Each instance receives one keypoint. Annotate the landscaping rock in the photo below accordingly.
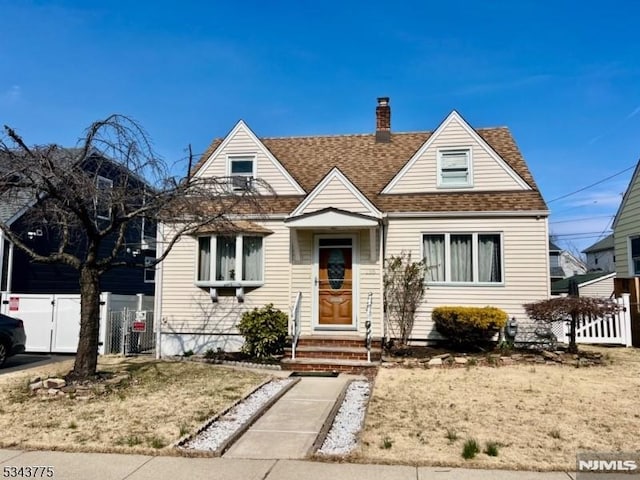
(460, 360)
(53, 391)
(442, 356)
(37, 385)
(68, 389)
(551, 356)
(435, 362)
(54, 383)
(507, 361)
(35, 379)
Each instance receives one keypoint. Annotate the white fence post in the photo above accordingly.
(105, 304)
(626, 319)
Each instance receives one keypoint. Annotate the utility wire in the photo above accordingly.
(593, 184)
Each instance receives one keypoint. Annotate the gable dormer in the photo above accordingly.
(242, 157)
(455, 158)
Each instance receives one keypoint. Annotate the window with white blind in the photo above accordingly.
(462, 257)
(454, 168)
(230, 260)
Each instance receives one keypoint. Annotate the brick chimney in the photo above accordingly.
(383, 120)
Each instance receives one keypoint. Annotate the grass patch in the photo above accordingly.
(492, 448)
(134, 416)
(470, 449)
(451, 435)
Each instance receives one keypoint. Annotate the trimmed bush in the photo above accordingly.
(264, 331)
(469, 326)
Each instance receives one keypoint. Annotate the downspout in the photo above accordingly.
(157, 299)
(383, 250)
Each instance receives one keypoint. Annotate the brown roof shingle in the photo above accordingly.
(370, 166)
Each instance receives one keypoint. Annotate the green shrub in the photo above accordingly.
(469, 326)
(264, 331)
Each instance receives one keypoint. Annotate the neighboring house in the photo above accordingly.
(626, 230)
(601, 255)
(592, 284)
(461, 198)
(19, 274)
(563, 264)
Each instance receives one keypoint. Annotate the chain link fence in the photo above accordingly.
(130, 332)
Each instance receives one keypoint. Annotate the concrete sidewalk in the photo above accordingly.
(288, 429)
(107, 466)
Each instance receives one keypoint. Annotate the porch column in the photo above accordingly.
(372, 244)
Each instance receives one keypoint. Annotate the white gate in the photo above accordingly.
(52, 322)
(612, 329)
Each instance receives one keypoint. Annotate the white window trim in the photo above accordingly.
(100, 178)
(212, 266)
(475, 259)
(466, 149)
(241, 157)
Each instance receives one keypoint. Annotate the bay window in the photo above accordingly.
(230, 260)
(463, 257)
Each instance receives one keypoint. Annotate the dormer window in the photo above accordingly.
(454, 168)
(242, 170)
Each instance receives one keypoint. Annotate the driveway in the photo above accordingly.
(24, 361)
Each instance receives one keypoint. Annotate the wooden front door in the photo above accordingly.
(335, 282)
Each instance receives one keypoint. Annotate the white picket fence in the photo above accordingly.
(613, 329)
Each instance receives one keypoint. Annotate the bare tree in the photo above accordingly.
(403, 292)
(90, 221)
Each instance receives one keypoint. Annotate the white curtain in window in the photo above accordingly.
(204, 258)
(226, 258)
(252, 258)
(434, 257)
(461, 258)
(489, 258)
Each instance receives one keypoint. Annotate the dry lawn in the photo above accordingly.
(161, 402)
(540, 415)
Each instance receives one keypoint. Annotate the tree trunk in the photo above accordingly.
(573, 346)
(87, 356)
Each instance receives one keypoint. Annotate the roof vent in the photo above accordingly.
(383, 120)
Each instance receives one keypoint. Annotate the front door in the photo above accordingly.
(335, 282)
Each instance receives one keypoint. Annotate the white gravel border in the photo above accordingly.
(343, 435)
(215, 435)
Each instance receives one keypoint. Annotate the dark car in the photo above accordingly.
(12, 337)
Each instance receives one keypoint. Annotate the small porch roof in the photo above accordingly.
(332, 217)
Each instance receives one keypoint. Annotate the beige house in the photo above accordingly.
(626, 230)
(460, 197)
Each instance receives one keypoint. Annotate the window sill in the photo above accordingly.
(454, 187)
(230, 284)
(463, 284)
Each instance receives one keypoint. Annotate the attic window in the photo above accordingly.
(454, 168)
(241, 170)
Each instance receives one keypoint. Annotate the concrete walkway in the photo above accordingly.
(107, 466)
(289, 428)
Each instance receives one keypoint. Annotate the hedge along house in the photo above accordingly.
(460, 197)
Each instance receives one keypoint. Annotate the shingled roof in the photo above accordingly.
(371, 165)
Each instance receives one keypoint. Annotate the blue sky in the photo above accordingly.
(563, 75)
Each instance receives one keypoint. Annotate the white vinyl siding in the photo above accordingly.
(487, 174)
(525, 265)
(601, 288)
(188, 308)
(242, 145)
(336, 195)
